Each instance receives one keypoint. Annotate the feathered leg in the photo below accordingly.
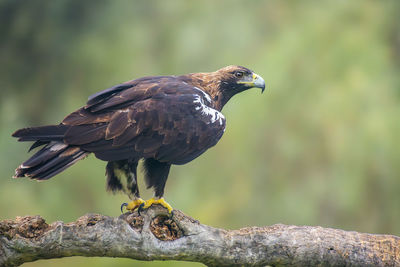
(116, 171)
(156, 174)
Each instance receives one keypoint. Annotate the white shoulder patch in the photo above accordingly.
(212, 115)
(204, 94)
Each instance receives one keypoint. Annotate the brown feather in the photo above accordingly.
(118, 124)
(83, 116)
(84, 134)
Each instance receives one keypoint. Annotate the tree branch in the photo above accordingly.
(154, 236)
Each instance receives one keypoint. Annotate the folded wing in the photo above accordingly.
(163, 118)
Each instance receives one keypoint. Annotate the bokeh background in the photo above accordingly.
(320, 147)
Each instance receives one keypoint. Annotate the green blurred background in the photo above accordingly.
(320, 147)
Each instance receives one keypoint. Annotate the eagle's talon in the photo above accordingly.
(140, 208)
(148, 203)
(134, 204)
(122, 206)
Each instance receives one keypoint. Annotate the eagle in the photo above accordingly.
(161, 120)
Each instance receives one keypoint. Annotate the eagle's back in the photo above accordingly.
(159, 117)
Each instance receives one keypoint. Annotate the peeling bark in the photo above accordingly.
(155, 236)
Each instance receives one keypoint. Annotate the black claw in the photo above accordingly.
(122, 207)
(171, 215)
(140, 208)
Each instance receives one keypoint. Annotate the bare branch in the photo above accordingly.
(154, 236)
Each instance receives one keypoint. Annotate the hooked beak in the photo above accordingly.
(257, 81)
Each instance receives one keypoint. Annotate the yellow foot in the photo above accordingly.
(131, 206)
(160, 201)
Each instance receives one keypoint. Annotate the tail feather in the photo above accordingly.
(43, 133)
(45, 154)
(53, 158)
(49, 161)
(38, 143)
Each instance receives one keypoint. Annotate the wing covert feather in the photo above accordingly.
(153, 117)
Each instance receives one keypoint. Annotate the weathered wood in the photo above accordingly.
(154, 236)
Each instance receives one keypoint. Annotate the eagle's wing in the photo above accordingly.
(165, 119)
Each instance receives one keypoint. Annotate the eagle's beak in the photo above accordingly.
(256, 81)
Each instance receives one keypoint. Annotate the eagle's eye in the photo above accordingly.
(239, 74)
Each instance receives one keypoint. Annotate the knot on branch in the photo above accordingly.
(27, 227)
(165, 228)
(162, 226)
(135, 221)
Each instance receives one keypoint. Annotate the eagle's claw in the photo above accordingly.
(122, 206)
(131, 206)
(171, 214)
(140, 209)
(148, 203)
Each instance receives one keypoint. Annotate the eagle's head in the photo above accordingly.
(232, 80)
(224, 83)
(237, 79)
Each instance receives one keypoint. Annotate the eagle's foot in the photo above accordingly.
(152, 201)
(131, 206)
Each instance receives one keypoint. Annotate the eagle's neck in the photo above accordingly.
(212, 85)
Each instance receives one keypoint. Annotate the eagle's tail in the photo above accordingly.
(53, 158)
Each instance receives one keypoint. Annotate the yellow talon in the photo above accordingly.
(160, 201)
(134, 204)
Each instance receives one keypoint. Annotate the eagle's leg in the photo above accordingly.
(132, 188)
(116, 171)
(156, 174)
(113, 179)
